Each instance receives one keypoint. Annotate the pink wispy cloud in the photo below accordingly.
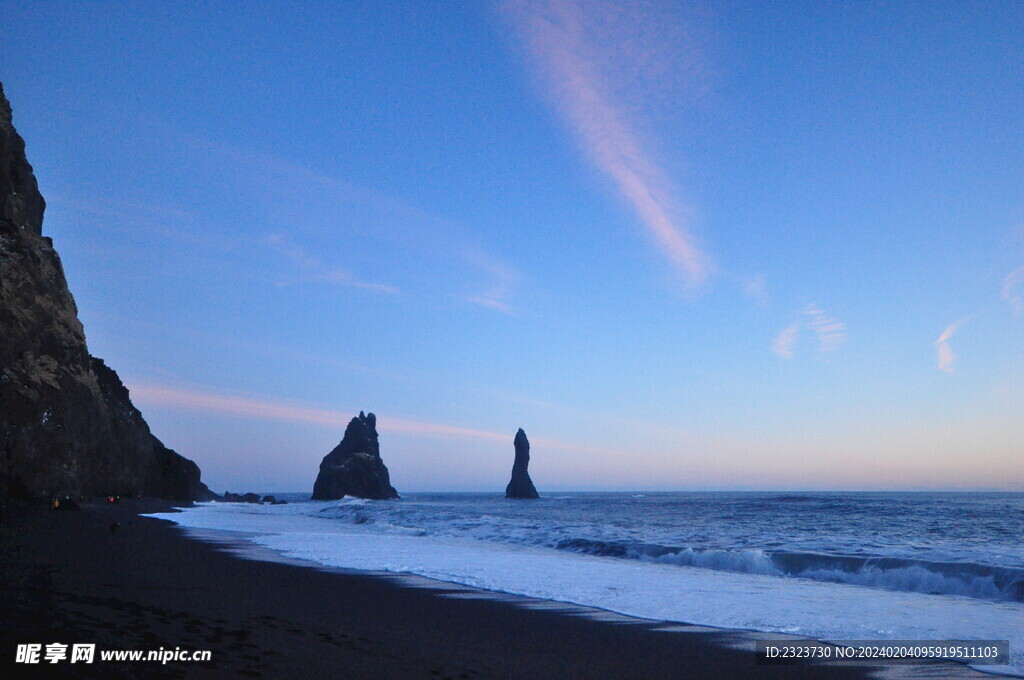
(944, 353)
(785, 340)
(266, 408)
(1012, 289)
(830, 333)
(564, 37)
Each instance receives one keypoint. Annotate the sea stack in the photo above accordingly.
(521, 486)
(67, 424)
(354, 467)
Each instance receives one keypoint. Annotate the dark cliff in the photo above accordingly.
(67, 424)
(521, 486)
(354, 467)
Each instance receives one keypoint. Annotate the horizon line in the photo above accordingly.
(721, 490)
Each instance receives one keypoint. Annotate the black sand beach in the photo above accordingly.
(67, 578)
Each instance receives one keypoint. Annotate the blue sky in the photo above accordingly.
(684, 246)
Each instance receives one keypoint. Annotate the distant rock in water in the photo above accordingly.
(67, 424)
(230, 497)
(354, 467)
(521, 486)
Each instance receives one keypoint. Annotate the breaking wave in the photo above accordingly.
(919, 576)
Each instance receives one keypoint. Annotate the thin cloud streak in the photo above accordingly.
(830, 333)
(784, 341)
(944, 353)
(503, 281)
(491, 303)
(317, 270)
(296, 189)
(1012, 292)
(266, 409)
(558, 39)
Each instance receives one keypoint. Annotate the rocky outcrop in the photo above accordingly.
(172, 475)
(167, 474)
(521, 486)
(230, 497)
(354, 467)
(67, 424)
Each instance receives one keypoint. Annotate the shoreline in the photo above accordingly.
(68, 578)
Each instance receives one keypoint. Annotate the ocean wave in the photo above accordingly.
(971, 580)
(916, 565)
(357, 511)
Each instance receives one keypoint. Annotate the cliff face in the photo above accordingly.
(67, 425)
(354, 467)
(521, 486)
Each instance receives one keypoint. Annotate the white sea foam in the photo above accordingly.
(646, 588)
(745, 561)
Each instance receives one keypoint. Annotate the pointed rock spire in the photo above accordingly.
(521, 486)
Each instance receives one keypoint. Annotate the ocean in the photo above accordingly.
(830, 566)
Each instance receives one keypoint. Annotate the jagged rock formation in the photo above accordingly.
(521, 486)
(354, 467)
(67, 425)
